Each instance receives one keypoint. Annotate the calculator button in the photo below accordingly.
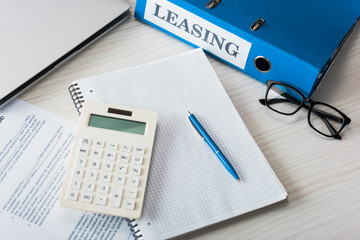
(92, 175)
(108, 166)
(85, 141)
(106, 177)
(104, 188)
(113, 146)
(139, 150)
(90, 186)
(73, 195)
(97, 153)
(84, 151)
(116, 196)
(110, 155)
(99, 144)
(136, 170)
(79, 173)
(126, 148)
(139, 160)
(81, 162)
(132, 193)
(134, 181)
(76, 184)
(87, 198)
(124, 157)
(120, 179)
(122, 168)
(101, 200)
(95, 164)
(129, 204)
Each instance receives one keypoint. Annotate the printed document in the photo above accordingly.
(34, 149)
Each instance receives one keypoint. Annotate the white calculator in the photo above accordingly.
(110, 160)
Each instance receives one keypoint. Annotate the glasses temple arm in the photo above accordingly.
(320, 113)
(323, 115)
(331, 128)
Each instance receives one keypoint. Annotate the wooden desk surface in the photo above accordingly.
(321, 176)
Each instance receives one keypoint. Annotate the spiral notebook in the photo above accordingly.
(188, 187)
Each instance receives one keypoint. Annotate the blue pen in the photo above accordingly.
(212, 145)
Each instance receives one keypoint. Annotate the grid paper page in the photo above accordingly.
(188, 187)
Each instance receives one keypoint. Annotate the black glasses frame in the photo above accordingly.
(310, 107)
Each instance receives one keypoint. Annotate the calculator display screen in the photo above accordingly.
(117, 124)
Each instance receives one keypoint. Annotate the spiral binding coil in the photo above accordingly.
(76, 96)
(134, 228)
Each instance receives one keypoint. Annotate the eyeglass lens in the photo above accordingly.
(283, 99)
(326, 119)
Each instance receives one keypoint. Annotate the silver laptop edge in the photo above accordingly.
(52, 66)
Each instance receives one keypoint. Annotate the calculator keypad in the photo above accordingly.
(110, 160)
(107, 174)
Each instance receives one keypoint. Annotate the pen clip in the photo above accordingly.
(201, 137)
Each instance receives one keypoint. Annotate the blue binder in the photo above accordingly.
(294, 42)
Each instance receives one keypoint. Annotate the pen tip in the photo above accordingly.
(189, 113)
(238, 180)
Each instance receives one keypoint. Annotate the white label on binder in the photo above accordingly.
(198, 31)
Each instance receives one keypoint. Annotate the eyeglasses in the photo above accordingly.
(323, 118)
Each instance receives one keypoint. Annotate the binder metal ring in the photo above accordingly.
(212, 4)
